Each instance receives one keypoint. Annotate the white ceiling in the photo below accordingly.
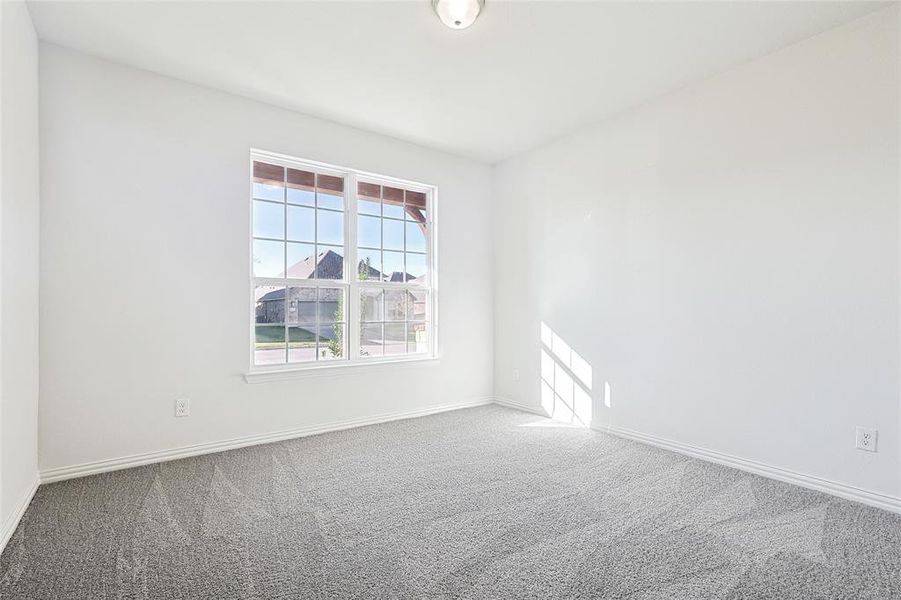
(525, 73)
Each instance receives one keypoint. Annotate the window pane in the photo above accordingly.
(301, 226)
(330, 192)
(369, 198)
(366, 207)
(417, 337)
(302, 179)
(301, 305)
(330, 262)
(393, 202)
(330, 184)
(416, 207)
(331, 341)
(264, 172)
(331, 304)
(369, 232)
(415, 237)
(331, 227)
(394, 266)
(417, 307)
(370, 265)
(396, 305)
(269, 220)
(301, 261)
(394, 338)
(332, 201)
(301, 185)
(263, 191)
(371, 340)
(268, 182)
(302, 343)
(372, 303)
(270, 334)
(416, 267)
(269, 345)
(268, 258)
(393, 211)
(302, 197)
(371, 191)
(394, 234)
(270, 304)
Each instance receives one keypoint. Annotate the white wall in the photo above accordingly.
(726, 258)
(144, 266)
(19, 210)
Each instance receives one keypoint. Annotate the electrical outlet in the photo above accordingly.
(182, 407)
(515, 374)
(866, 439)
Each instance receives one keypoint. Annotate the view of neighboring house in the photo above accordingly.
(299, 304)
(330, 265)
(325, 265)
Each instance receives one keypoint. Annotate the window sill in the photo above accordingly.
(333, 370)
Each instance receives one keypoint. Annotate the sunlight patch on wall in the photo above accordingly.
(566, 380)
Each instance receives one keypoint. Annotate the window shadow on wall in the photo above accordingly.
(566, 380)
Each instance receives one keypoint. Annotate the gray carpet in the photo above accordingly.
(480, 503)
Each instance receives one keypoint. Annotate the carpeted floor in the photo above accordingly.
(479, 503)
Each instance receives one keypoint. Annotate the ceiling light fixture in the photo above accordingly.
(458, 14)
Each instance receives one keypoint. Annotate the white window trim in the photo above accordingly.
(350, 284)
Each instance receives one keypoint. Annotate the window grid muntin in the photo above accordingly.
(350, 281)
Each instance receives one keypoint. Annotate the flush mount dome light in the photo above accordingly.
(458, 14)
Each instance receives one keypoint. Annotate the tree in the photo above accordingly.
(336, 344)
(364, 267)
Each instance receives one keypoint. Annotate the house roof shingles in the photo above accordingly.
(330, 265)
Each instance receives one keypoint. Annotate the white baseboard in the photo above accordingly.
(136, 460)
(885, 502)
(535, 410)
(848, 492)
(9, 527)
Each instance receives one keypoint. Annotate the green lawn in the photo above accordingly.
(271, 336)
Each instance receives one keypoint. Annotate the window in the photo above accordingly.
(342, 265)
